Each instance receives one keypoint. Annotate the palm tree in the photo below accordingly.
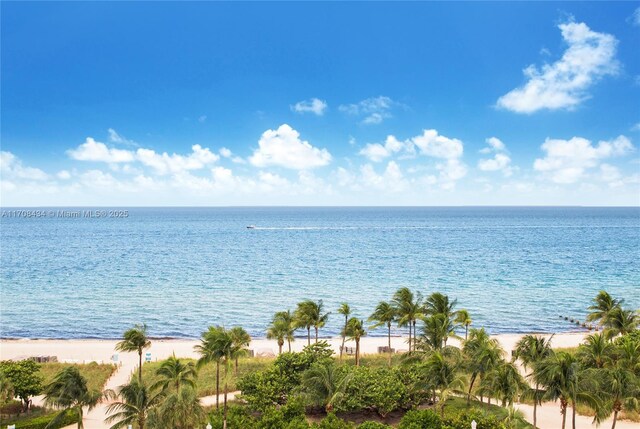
(596, 351)
(627, 354)
(354, 331)
(408, 309)
(482, 354)
(135, 340)
(136, 400)
(442, 378)
(287, 320)
(531, 349)
(323, 384)
(621, 389)
(304, 318)
(241, 340)
(174, 372)
(603, 303)
(69, 391)
(384, 314)
(437, 329)
(504, 382)
(179, 410)
(464, 319)
(344, 310)
(620, 321)
(278, 331)
(209, 353)
(562, 377)
(438, 303)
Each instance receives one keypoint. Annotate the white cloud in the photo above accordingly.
(283, 147)
(500, 161)
(224, 152)
(450, 172)
(563, 85)
(636, 127)
(164, 163)
(392, 180)
(566, 161)
(11, 168)
(114, 137)
(374, 110)
(376, 152)
(92, 150)
(314, 105)
(64, 175)
(636, 17)
(435, 145)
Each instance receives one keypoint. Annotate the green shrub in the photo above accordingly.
(421, 419)
(374, 425)
(332, 422)
(237, 418)
(42, 421)
(463, 420)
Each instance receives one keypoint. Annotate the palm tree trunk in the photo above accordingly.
(343, 336)
(414, 334)
(573, 415)
(357, 351)
(308, 335)
(289, 341)
(409, 336)
(615, 418)
(236, 369)
(473, 379)
(81, 417)
(224, 420)
(389, 341)
(140, 365)
(141, 422)
(563, 411)
(279, 348)
(217, 385)
(466, 331)
(316, 328)
(535, 407)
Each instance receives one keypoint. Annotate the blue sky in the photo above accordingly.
(309, 103)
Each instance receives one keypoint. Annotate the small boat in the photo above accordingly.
(251, 227)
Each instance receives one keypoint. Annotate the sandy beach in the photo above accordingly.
(84, 351)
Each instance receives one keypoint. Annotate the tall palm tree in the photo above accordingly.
(179, 410)
(384, 314)
(441, 376)
(355, 331)
(602, 305)
(287, 320)
(304, 317)
(408, 310)
(620, 321)
(68, 390)
(277, 330)
(209, 353)
(531, 349)
(324, 384)
(437, 329)
(596, 351)
(464, 319)
(228, 350)
(241, 340)
(621, 389)
(174, 372)
(482, 353)
(344, 310)
(135, 402)
(504, 382)
(439, 303)
(563, 379)
(135, 340)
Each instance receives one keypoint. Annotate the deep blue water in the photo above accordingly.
(182, 269)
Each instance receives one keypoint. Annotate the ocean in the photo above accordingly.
(182, 269)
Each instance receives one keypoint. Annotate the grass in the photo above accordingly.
(96, 374)
(207, 375)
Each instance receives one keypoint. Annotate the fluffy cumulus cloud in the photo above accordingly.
(164, 163)
(314, 105)
(373, 110)
(567, 161)
(563, 84)
(11, 168)
(284, 148)
(376, 152)
(92, 150)
(500, 160)
(436, 145)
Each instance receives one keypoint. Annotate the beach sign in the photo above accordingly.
(147, 357)
(115, 358)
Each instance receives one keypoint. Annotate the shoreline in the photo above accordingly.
(103, 350)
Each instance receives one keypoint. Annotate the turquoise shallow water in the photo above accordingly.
(181, 269)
